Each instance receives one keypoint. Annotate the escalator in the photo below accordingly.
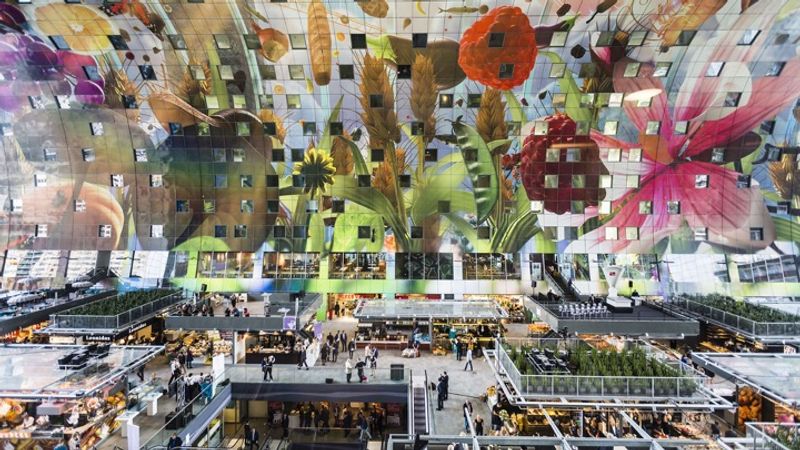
(418, 404)
(560, 286)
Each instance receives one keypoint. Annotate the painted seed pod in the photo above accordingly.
(319, 42)
(374, 8)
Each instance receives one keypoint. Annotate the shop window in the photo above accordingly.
(424, 266)
(220, 231)
(490, 266)
(290, 265)
(357, 266)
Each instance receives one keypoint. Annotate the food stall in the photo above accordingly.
(278, 343)
(436, 324)
(203, 345)
(71, 392)
(347, 303)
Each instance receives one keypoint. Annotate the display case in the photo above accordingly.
(280, 344)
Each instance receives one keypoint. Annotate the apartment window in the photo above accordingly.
(559, 39)
(551, 181)
(129, 102)
(376, 155)
(614, 155)
(496, 40)
(175, 129)
(416, 232)
(612, 234)
(444, 207)
(718, 155)
(270, 129)
(732, 99)
(635, 154)
(714, 68)
(219, 155)
(756, 234)
(603, 183)
(540, 128)
(743, 182)
(246, 181)
(117, 180)
(557, 70)
(41, 230)
(701, 181)
(49, 154)
(473, 100)
(662, 69)
(273, 206)
(632, 181)
(405, 180)
(79, 206)
(309, 128)
(375, 101)
(278, 155)
(220, 231)
(293, 101)
(358, 41)
(96, 128)
(238, 155)
(484, 232)
(59, 42)
(337, 206)
(296, 72)
(685, 38)
(652, 128)
(364, 181)
(346, 72)
(223, 41)
(156, 231)
(604, 207)
(279, 231)
(537, 206)
(240, 231)
(272, 181)
(212, 102)
(506, 71)
(484, 181)
(40, 180)
(610, 128)
(364, 232)
(417, 128)
(578, 181)
(220, 181)
(445, 100)
(631, 70)
(573, 154)
(209, 206)
(606, 39)
(775, 69)
(16, 205)
(182, 206)
(63, 101)
(246, 207)
(156, 180)
(419, 40)
(267, 101)
(403, 72)
(298, 154)
(646, 207)
(681, 127)
(298, 41)
(298, 181)
(431, 155)
(637, 38)
(632, 233)
(700, 234)
(104, 231)
(251, 42)
(748, 37)
(673, 207)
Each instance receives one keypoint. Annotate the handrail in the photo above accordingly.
(735, 321)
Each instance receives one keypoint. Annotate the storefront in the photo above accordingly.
(278, 343)
(202, 345)
(345, 304)
(44, 405)
(26, 335)
(144, 333)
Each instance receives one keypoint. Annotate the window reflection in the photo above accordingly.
(364, 266)
(290, 265)
(491, 266)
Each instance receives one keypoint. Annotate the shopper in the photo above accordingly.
(466, 409)
(140, 373)
(189, 359)
(440, 395)
(348, 369)
(335, 352)
(336, 309)
(324, 420)
(266, 367)
(285, 425)
(351, 347)
(446, 380)
(302, 362)
(253, 439)
(459, 347)
(323, 353)
(469, 361)
(363, 425)
(360, 370)
(478, 425)
(174, 441)
(347, 422)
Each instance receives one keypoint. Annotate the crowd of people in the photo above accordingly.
(194, 384)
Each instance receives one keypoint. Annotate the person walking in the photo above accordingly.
(459, 347)
(360, 371)
(323, 353)
(266, 366)
(253, 439)
(247, 430)
(363, 425)
(302, 363)
(467, 411)
(348, 369)
(469, 361)
(351, 347)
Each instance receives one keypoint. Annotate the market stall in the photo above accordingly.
(278, 343)
(71, 393)
(203, 345)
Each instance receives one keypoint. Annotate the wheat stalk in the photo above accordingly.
(423, 94)
(381, 123)
(268, 115)
(491, 120)
(785, 176)
(319, 42)
(342, 155)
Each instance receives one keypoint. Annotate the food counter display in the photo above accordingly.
(203, 345)
(393, 334)
(346, 303)
(280, 344)
(26, 335)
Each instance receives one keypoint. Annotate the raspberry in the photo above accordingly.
(518, 47)
(561, 130)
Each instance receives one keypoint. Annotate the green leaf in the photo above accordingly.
(316, 234)
(381, 47)
(568, 86)
(516, 233)
(469, 232)
(498, 143)
(440, 188)
(468, 139)
(515, 108)
(345, 233)
(358, 158)
(786, 230)
(203, 243)
(289, 191)
(325, 142)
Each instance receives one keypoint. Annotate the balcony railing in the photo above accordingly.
(580, 386)
(773, 436)
(114, 322)
(251, 373)
(735, 322)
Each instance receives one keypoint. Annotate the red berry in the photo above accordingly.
(561, 130)
(516, 47)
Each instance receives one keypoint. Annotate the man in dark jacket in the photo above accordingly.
(440, 395)
(445, 378)
(253, 439)
(174, 442)
(347, 422)
(351, 347)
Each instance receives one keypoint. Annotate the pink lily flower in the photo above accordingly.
(671, 163)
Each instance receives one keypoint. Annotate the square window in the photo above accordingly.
(552, 155)
(405, 180)
(615, 100)
(732, 99)
(156, 231)
(767, 126)
(578, 181)
(346, 72)
(337, 206)
(270, 129)
(364, 181)
(212, 102)
(431, 155)
(79, 206)
(685, 38)
(417, 128)
(632, 181)
(298, 154)
(309, 129)
(718, 155)
(147, 72)
(646, 207)
(139, 154)
(653, 128)
(551, 181)
(63, 102)
(681, 127)
(662, 69)
(225, 72)
(293, 101)
(637, 38)
(129, 102)
(219, 155)
(41, 230)
(182, 206)
(606, 39)
(537, 206)
(484, 181)
(376, 155)
(506, 71)
(156, 180)
(470, 155)
(246, 181)
(573, 155)
(557, 70)
(299, 231)
(203, 129)
(604, 208)
(268, 73)
(298, 41)
(238, 155)
(251, 42)
(700, 234)
(209, 206)
(559, 100)
(40, 180)
(540, 128)
(16, 205)
(279, 231)
(483, 232)
(403, 72)
(246, 207)
(444, 207)
(635, 154)
(673, 207)
(273, 206)
(631, 70)
(612, 234)
(610, 128)
(416, 232)
(364, 232)
(358, 41)
(419, 40)
(239, 102)
(97, 128)
(298, 181)
(175, 129)
(743, 182)
(559, 39)
(220, 231)
(748, 37)
(473, 100)
(296, 72)
(117, 180)
(445, 100)
(701, 181)
(714, 68)
(267, 101)
(104, 231)
(223, 41)
(632, 233)
(273, 181)
(278, 155)
(614, 155)
(59, 42)
(375, 100)
(756, 234)
(220, 181)
(496, 40)
(49, 154)
(604, 182)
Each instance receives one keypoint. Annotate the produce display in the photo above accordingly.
(749, 409)
(113, 306)
(756, 313)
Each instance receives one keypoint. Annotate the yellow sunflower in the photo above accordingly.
(83, 29)
(317, 170)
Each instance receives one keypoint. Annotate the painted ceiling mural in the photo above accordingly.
(543, 126)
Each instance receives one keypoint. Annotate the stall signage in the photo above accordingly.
(97, 338)
(137, 327)
(289, 322)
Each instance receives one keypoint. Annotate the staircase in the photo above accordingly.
(419, 404)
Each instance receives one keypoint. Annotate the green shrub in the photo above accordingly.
(118, 304)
